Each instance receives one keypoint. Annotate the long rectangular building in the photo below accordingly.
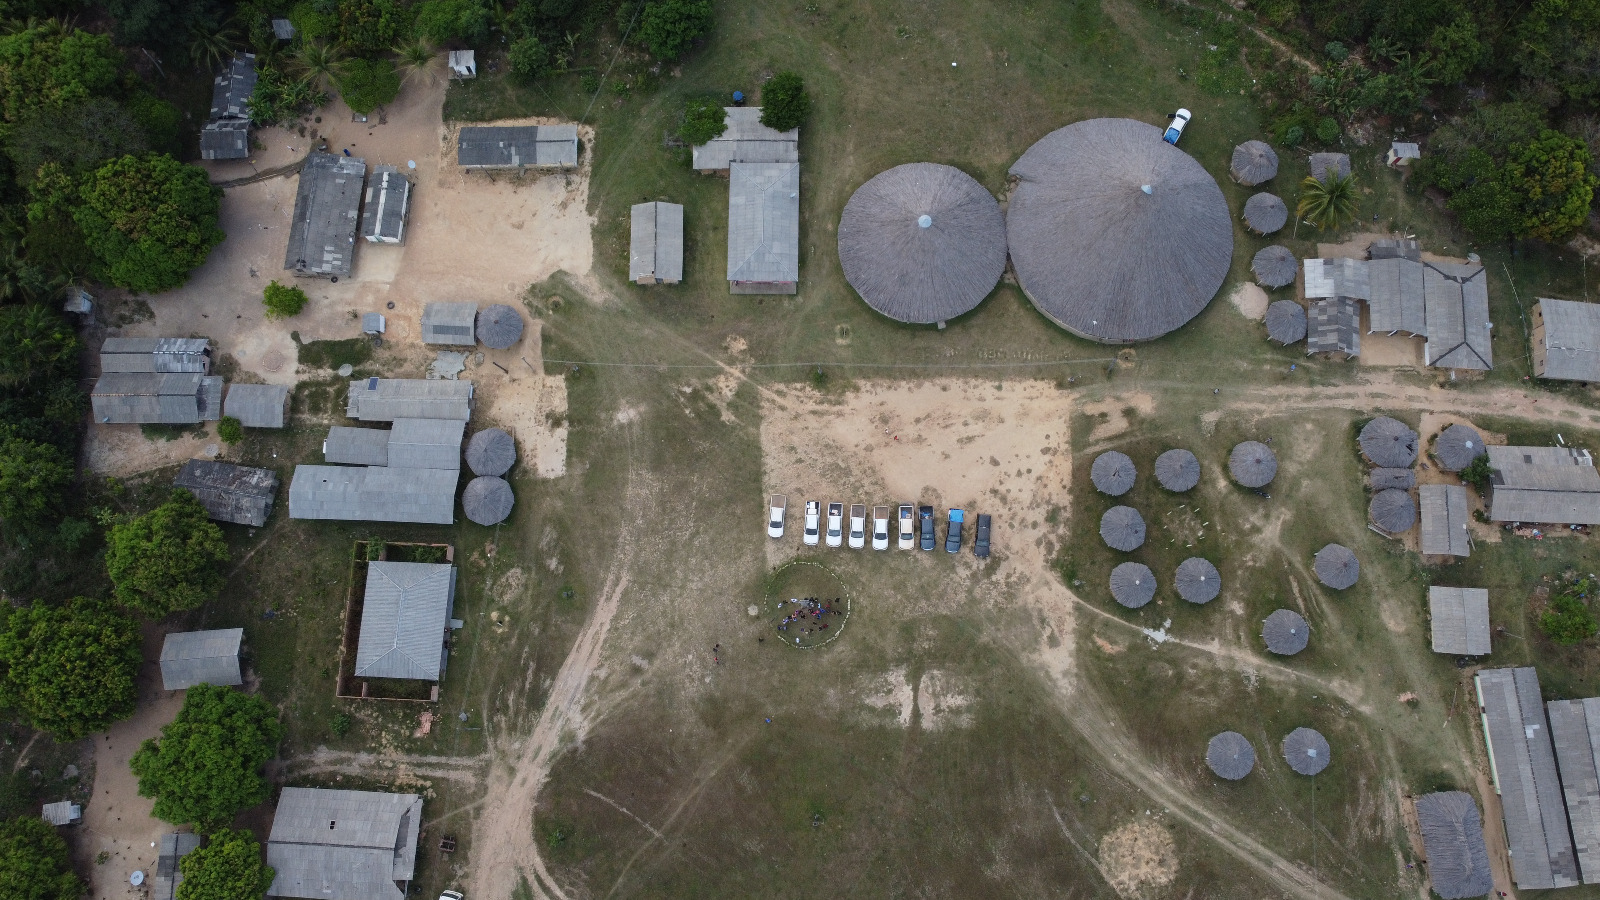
(764, 228)
(163, 355)
(1543, 485)
(1523, 764)
(373, 494)
(746, 140)
(1575, 730)
(1456, 305)
(327, 208)
(1566, 340)
(152, 398)
(387, 399)
(1444, 520)
(517, 146)
(239, 494)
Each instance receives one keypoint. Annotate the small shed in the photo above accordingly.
(1253, 464)
(283, 29)
(1457, 446)
(257, 405)
(373, 323)
(1326, 166)
(1285, 632)
(1452, 838)
(463, 64)
(499, 326)
(1275, 267)
(1178, 470)
(225, 139)
(763, 228)
(1460, 620)
(388, 202)
(1337, 567)
(189, 658)
(1306, 751)
(327, 208)
(450, 324)
(491, 452)
(1401, 153)
(1197, 580)
(1253, 162)
(62, 812)
(1334, 326)
(174, 847)
(1230, 755)
(1286, 322)
(242, 495)
(1444, 520)
(487, 500)
(1122, 528)
(1388, 443)
(1112, 473)
(655, 244)
(1133, 584)
(517, 146)
(1566, 340)
(405, 618)
(1393, 511)
(1265, 213)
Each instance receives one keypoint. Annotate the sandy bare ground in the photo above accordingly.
(1250, 300)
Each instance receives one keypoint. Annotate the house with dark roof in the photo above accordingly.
(450, 324)
(1459, 620)
(746, 140)
(764, 228)
(189, 658)
(374, 494)
(153, 398)
(1395, 299)
(165, 355)
(1578, 757)
(343, 845)
(405, 620)
(388, 200)
(1444, 520)
(386, 399)
(257, 405)
(327, 205)
(1333, 325)
(1456, 305)
(1522, 764)
(655, 245)
(174, 847)
(242, 495)
(226, 134)
(1566, 340)
(517, 146)
(1543, 486)
(1452, 838)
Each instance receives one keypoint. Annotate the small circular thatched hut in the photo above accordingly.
(1197, 580)
(1274, 267)
(1133, 584)
(1285, 632)
(1122, 528)
(1253, 163)
(1393, 511)
(1326, 165)
(1286, 322)
(1389, 443)
(491, 452)
(1337, 567)
(487, 500)
(499, 326)
(1112, 473)
(1253, 464)
(922, 242)
(1265, 213)
(1306, 751)
(1457, 446)
(1177, 470)
(1230, 755)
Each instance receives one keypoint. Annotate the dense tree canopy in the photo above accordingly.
(784, 101)
(32, 475)
(704, 119)
(69, 669)
(228, 867)
(168, 559)
(451, 21)
(49, 66)
(367, 84)
(34, 862)
(150, 220)
(668, 28)
(206, 767)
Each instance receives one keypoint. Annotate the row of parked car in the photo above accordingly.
(917, 526)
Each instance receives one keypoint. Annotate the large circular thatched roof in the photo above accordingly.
(1457, 446)
(499, 326)
(1389, 443)
(1230, 755)
(1122, 528)
(1393, 510)
(1253, 163)
(1337, 567)
(1112, 473)
(491, 452)
(1197, 580)
(1133, 584)
(1275, 267)
(1285, 632)
(1177, 470)
(487, 500)
(1286, 322)
(1252, 464)
(922, 242)
(1265, 213)
(1306, 751)
(1116, 235)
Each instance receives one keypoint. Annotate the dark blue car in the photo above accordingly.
(925, 522)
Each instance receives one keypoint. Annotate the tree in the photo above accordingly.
(667, 28)
(366, 84)
(206, 766)
(35, 863)
(784, 102)
(278, 97)
(168, 559)
(449, 21)
(50, 66)
(80, 137)
(33, 476)
(416, 59)
(165, 25)
(230, 429)
(1567, 619)
(37, 343)
(1477, 472)
(319, 62)
(1327, 204)
(69, 669)
(704, 120)
(529, 59)
(369, 27)
(1553, 178)
(150, 220)
(228, 867)
(283, 301)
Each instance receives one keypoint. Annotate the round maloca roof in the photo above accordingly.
(1116, 235)
(499, 326)
(1265, 213)
(1286, 322)
(1112, 473)
(1253, 163)
(1230, 755)
(1337, 567)
(1285, 632)
(1122, 528)
(1275, 267)
(1178, 470)
(1393, 510)
(1253, 464)
(1389, 443)
(1457, 446)
(922, 242)
(1306, 751)
(487, 500)
(1197, 580)
(491, 452)
(1133, 584)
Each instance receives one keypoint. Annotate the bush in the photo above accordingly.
(1477, 472)
(1567, 620)
(1293, 136)
(1336, 51)
(206, 766)
(703, 120)
(784, 102)
(228, 867)
(283, 301)
(668, 28)
(529, 59)
(168, 559)
(1327, 130)
(231, 430)
(366, 84)
(339, 724)
(447, 21)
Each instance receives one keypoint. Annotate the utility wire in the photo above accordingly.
(835, 365)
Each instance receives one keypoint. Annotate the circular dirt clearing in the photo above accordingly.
(807, 604)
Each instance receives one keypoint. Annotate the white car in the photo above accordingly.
(908, 528)
(835, 524)
(813, 523)
(1175, 130)
(777, 510)
(451, 895)
(880, 528)
(858, 526)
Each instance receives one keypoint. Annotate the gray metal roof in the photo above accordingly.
(1286, 322)
(1337, 277)
(922, 242)
(1452, 838)
(1122, 528)
(1177, 470)
(1306, 751)
(1457, 446)
(356, 446)
(1275, 267)
(1285, 632)
(225, 139)
(1253, 162)
(1395, 248)
(1393, 511)
(1389, 443)
(1098, 255)
(1566, 338)
(1337, 567)
(283, 29)
(747, 140)
(1575, 731)
(1456, 306)
(1382, 479)
(133, 398)
(1444, 520)
(404, 618)
(1334, 326)
(1325, 164)
(487, 500)
(388, 200)
(62, 812)
(499, 326)
(764, 222)
(189, 658)
(1460, 620)
(491, 452)
(426, 444)
(373, 494)
(1197, 580)
(343, 845)
(1133, 584)
(327, 203)
(1543, 485)
(1265, 213)
(451, 324)
(239, 494)
(1395, 300)
(1523, 764)
(387, 399)
(257, 405)
(1230, 755)
(166, 878)
(514, 146)
(1112, 473)
(231, 90)
(1252, 464)
(655, 245)
(124, 354)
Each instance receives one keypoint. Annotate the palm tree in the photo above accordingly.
(416, 60)
(209, 48)
(1327, 204)
(320, 62)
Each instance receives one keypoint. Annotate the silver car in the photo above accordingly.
(813, 530)
(835, 523)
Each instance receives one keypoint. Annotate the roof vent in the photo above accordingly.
(924, 221)
(1146, 189)
(331, 823)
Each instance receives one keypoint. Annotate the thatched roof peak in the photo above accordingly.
(1113, 473)
(1285, 632)
(1253, 464)
(1133, 584)
(1253, 162)
(1275, 267)
(1197, 580)
(1265, 213)
(1337, 567)
(1306, 751)
(1389, 443)
(1177, 470)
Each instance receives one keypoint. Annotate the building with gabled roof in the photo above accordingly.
(746, 140)
(1566, 340)
(517, 146)
(153, 398)
(1452, 837)
(655, 245)
(1444, 520)
(356, 446)
(242, 495)
(1395, 299)
(386, 399)
(450, 324)
(463, 63)
(1459, 620)
(764, 228)
(1522, 762)
(257, 405)
(1336, 277)
(405, 617)
(226, 134)
(189, 658)
(383, 220)
(1456, 302)
(163, 355)
(225, 139)
(1573, 726)
(343, 845)
(1543, 485)
(426, 444)
(327, 206)
(373, 494)
(174, 847)
(62, 812)
(1333, 325)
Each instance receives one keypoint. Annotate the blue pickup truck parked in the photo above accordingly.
(952, 538)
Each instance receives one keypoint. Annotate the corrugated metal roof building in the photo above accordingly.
(387, 399)
(327, 205)
(1566, 340)
(1444, 520)
(388, 200)
(655, 247)
(62, 812)
(1575, 730)
(1452, 836)
(1395, 296)
(373, 494)
(1338, 277)
(189, 658)
(405, 619)
(1333, 325)
(136, 398)
(1543, 485)
(343, 845)
(231, 90)
(174, 847)
(517, 146)
(239, 494)
(257, 405)
(356, 446)
(1460, 620)
(747, 140)
(426, 444)
(1523, 764)
(764, 228)
(450, 324)
(164, 355)
(1456, 302)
